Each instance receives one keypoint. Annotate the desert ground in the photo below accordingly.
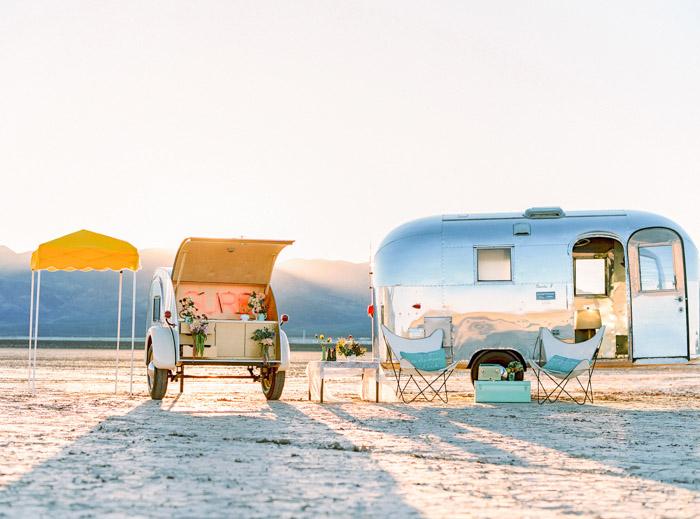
(220, 450)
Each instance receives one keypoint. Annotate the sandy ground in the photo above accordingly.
(221, 450)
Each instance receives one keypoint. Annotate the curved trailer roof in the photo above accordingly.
(413, 253)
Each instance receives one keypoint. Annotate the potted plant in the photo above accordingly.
(327, 347)
(513, 369)
(349, 347)
(197, 323)
(256, 303)
(265, 337)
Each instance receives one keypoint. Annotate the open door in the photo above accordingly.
(658, 291)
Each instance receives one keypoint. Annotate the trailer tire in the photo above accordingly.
(273, 384)
(158, 383)
(494, 357)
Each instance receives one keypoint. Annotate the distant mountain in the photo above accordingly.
(12, 261)
(319, 296)
(323, 296)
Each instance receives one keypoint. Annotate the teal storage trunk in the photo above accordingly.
(487, 391)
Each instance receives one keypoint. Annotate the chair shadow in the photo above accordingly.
(637, 443)
(158, 461)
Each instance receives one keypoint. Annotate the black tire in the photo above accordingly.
(494, 357)
(158, 385)
(273, 384)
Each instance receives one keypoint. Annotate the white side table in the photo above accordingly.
(320, 370)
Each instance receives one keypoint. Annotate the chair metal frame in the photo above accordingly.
(561, 384)
(401, 392)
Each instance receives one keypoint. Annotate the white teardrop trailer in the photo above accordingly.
(218, 275)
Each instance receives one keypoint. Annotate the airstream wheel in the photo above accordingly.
(494, 357)
(272, 384)
(157, 378)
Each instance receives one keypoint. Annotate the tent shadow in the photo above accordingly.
(160, 462)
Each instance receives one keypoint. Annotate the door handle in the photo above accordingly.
(680, 309)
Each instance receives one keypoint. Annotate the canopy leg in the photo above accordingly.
(36, 329)
(119, 329)
(31, 331)
(133, 331)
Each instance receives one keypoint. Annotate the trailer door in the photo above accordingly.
(658, 294)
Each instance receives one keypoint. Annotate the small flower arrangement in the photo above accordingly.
(256, 303)
(327, 347)
(349, 347)
(513, 369)
(198, 324)
(265, 337)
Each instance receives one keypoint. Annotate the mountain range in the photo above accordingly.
(320, 296)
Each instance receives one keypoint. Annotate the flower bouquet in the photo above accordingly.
(513, 369)
(327, 347)
(349, 347)
(198, 324)
(265, 337)
(256, 303)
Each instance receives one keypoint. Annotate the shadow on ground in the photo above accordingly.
(153, 461)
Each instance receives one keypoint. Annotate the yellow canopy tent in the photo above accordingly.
(84, 251)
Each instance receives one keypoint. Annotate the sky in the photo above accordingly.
(333, 122)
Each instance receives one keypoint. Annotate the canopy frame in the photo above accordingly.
(82, 241)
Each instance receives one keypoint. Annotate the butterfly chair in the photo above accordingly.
(421, 362)
(561, 362)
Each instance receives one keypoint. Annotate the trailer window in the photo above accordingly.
(590, 277)
(494, 264)
(156, 309)
(656, 268)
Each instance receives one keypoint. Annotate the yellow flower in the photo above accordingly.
(322, 337)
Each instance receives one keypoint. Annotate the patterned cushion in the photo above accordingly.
(428, 360)
(561, 364)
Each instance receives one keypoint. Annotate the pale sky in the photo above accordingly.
(333, 122)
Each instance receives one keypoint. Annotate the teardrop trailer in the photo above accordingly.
(491, 280)
(218, 275)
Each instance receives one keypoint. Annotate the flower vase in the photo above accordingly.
(511, 377)
(261, 317)
(323, 353)
(198, 348)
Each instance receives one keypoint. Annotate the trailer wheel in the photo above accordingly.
(273, 384)
(157, 379)
(494, 357)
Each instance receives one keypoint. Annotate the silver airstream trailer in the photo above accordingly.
(491, 280)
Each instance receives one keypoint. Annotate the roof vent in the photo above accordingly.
(544, 212)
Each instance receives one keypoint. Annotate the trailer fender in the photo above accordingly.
(162, 342)
(285, 354)
(479, 353)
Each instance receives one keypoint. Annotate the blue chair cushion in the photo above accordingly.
(561, 364)
(427, 360)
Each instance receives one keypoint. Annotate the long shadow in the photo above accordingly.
(159, 462)
(650, 444)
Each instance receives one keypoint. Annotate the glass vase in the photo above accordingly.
(198, 349)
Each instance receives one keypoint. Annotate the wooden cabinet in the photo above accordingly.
(252, 348)
(187, 341)
(229, 339)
